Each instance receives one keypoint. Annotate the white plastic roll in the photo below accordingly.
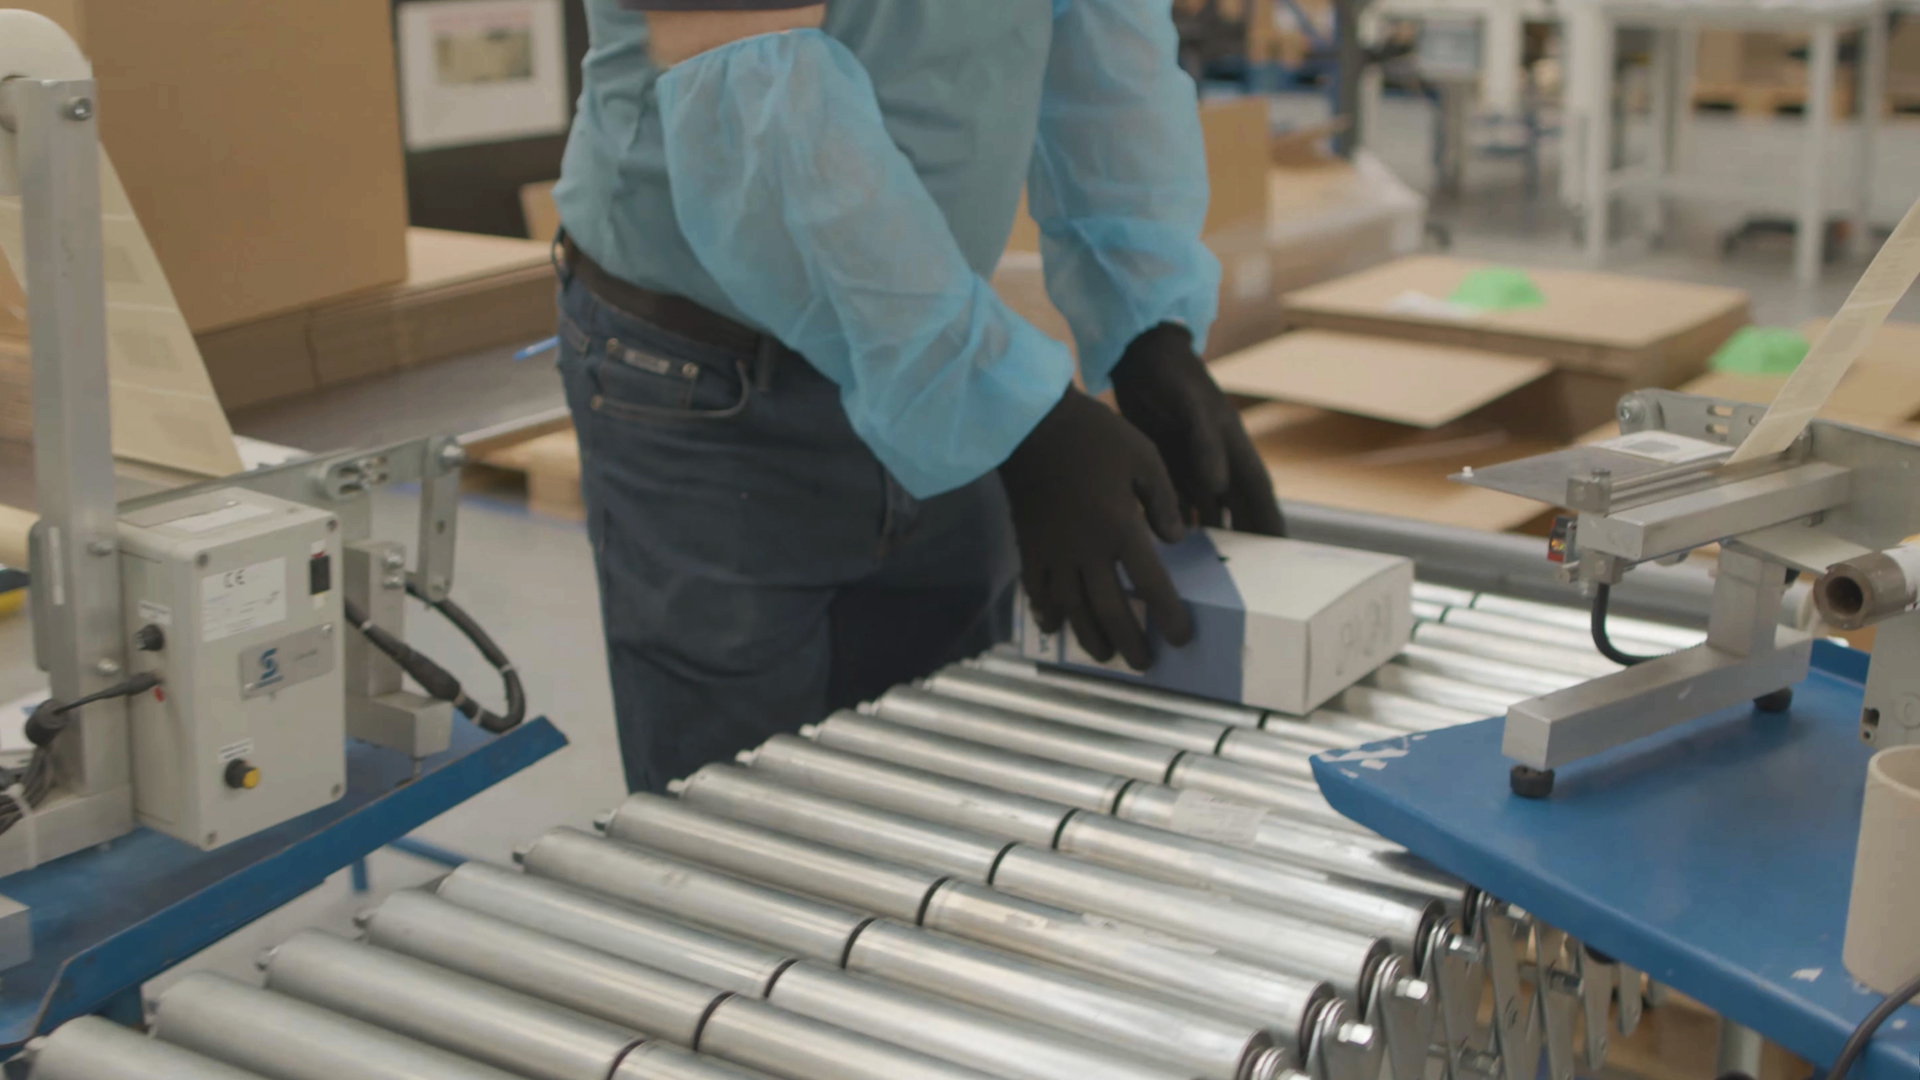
(1883, 937)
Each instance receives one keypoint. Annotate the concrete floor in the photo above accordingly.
(531, 582)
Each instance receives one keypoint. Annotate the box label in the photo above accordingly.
(1205, 817)
(237, 601)
(243, 748)
(158, 614)
(289, 661)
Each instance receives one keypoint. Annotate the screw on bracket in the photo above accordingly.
(80, 108)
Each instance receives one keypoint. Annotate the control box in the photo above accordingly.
(231, 598)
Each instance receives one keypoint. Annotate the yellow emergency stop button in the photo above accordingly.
(242, 775)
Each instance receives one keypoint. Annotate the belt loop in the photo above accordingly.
(556, 253)
(765, 357)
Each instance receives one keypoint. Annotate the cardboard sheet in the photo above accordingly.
(1360, 464)
(164, 409)
(1653, 332)
(1843, 341)
(1407, 382)
(14, 525)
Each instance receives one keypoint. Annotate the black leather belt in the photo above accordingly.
(674, 314)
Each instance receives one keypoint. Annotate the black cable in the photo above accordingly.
(437, 681)
(1857, 1042)
(1601, 594)
(509, 677)
(50, 717)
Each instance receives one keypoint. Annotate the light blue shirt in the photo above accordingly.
(849, 190)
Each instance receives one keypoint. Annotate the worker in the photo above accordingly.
(816, 448)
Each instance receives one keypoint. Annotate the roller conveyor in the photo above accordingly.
(1004, 871)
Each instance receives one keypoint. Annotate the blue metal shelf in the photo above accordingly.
(108, 919)
(1717, 856)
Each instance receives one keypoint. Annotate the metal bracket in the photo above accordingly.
(1341, 1048)
(1506, 930)
(1404, 1010)
(1456, 966)
(1597, 980)
(1559, 989)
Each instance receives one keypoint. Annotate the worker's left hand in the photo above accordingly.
(1166, 391)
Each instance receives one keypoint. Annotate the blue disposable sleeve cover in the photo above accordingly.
(1119, 181)
(793, 196)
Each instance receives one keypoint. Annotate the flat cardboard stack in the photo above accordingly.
(1388, 389)
(1273, 227)
(465, 293)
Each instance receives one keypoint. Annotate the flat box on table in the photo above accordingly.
(1278, 624)
(1639, 331)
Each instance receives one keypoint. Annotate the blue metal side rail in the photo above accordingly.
(1716, 856)
(107, 920)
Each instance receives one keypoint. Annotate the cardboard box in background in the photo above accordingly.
(260, 144)
(1639, 331)
(1324, 219)
(16, 390)
(536, 205)
(1237, 131)
(465, 293)
(1291, 623)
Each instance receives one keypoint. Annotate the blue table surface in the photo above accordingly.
(107, 919)
(1716, 856)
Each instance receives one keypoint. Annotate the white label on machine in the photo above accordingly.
(218, 519)
(1201, 815)
(232, 751)
(240, 600)
(1664, 447)
(157, 614)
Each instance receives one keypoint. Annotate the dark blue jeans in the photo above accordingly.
(758, 567)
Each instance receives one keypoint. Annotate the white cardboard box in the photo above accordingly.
(1278, 624)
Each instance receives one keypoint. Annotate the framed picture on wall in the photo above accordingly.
(481, 71)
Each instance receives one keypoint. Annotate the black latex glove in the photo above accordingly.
(1085, 486)
(1167, 392)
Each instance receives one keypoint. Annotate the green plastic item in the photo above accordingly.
(1498, 288)
(1761, 350)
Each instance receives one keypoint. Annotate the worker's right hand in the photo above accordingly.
(1085, 487)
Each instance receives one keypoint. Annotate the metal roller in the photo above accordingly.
(867, 884)
(287, 1039)
(1213, 1047)
(1427, 592)
(865, 738)
(1174, 967)
(1269, 753)
(1398, 710)
(1495, 674)
(755, 1034)
(1346, 855)
(1222, 776)
(1581, 619)
(1349, 728)
(1403, 920)
(1426, 610)
(89, 1048)
(1016, 1049)
(1296, 737)
(651, 1002)
(1513, 650)
(1453, 693)
(1078, 709)
(455, 1012)
(1340, 957)
(733, 792)
(1219, 712)
(571, 915)
(1561, 637)
(1132, 758)
(699, 896)
(664, 1061)
(1250, 786)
